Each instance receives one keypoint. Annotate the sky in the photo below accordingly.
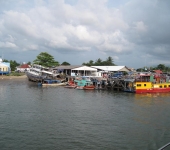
(135, 33)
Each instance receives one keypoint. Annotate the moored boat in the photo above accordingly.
(50, 82)
(149, 87)
(155, 82)
(71, 84)
(84, 84)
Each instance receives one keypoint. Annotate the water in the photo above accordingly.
(38, 118)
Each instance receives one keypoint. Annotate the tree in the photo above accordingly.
(13, 65)
(90, 63)
(65, 63)
(161, 67)
(45, 60)
(5, 60)
(29, 63)
(99, 62)
(109, 61)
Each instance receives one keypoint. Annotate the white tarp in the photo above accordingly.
(112, 68)
(85, 68)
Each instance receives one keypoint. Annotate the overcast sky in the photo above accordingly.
(135, 33)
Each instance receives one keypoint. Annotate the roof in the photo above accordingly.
(3, 65)
(112, 68)
(67, 67)
(85, 68)
(24, 66)
(158, 71)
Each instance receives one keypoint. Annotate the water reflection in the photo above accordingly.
(152, 95)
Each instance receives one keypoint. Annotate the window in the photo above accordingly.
(160, 86)
(164, 86)
(144, 84)
(138, 85)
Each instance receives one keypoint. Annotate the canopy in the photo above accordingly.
(85, 68)
(158, 71)
(112, 68)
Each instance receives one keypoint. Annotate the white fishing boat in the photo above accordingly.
(51, 82)
(37, 73)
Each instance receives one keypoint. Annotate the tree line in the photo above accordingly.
(47, 60)
(161, 67)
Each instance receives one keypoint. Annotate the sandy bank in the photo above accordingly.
(13, 77)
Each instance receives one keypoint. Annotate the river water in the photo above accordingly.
(57, 118)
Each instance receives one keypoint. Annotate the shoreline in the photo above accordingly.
(12, 77)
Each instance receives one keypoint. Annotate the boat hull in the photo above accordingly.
(54, 84)
(70, 86)
(158, 90)
(89, 87)
(33, 77)
(85, 87)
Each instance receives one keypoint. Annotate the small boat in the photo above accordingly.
(71, 84)
(84, 85)
(50, 82)
(89, 87)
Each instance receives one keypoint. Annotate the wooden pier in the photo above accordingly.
(115, 84)
(107, 84)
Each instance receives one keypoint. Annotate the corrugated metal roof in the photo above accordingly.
(104, 68)
(67, 67)
(85, 68)
(112, 68)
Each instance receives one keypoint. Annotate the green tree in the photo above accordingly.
(98, 62)
(65, 63)
(13, 65)
(45, 60)
(5, 60)
(90, 63)
(29, 63)
(109, 61)
(161, 67)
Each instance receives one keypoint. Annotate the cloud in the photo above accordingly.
(7, 45)
(125, 29)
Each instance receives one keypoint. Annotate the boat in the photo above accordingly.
(50, 82)
(155, 82)
(37, 73)
(84, 84)
(71, 84)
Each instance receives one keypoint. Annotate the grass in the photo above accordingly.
(16, 74)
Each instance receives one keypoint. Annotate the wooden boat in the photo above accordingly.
(71, 84)
(89, 87)
(84, 85)
(148, 83)
(50, 82)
